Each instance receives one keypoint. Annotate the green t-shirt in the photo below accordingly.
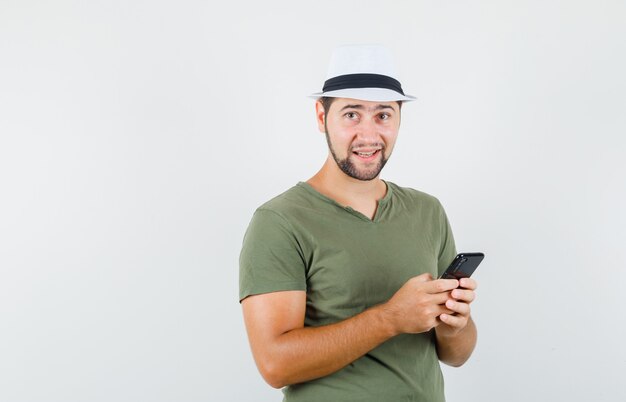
(346, 263)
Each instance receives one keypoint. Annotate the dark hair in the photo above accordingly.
(326, 101)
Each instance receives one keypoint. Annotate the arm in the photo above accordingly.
(286, 352)
(456, 337)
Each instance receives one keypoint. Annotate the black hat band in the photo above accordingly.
(362, 81)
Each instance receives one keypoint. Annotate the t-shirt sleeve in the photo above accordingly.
(271, 259)
(447, 250)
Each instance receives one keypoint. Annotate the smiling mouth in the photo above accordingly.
(366, 155)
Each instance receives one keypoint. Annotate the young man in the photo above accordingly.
(337, 274)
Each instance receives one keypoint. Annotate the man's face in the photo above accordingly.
(360, 134)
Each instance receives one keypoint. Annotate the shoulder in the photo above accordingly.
(413, 197)
(285, 200)
(286, 203)
(287, 208)
(271, 221)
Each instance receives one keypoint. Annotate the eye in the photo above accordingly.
(351, 115)
(385, 116)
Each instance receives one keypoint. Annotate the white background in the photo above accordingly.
(138, 137)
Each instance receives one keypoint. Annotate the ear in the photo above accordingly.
(319, 116)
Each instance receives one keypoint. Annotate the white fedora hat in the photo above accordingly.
(365, 72)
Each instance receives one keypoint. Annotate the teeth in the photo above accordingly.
(366, 153)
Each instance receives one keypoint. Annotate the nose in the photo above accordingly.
(368, 131)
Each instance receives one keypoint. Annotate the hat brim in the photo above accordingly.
(366, 94)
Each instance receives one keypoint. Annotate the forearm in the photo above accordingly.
(307, 353)
(287, 352)
(455, 349)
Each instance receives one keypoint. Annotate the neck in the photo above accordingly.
(334, 183)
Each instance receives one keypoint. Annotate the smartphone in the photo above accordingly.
(463, 266)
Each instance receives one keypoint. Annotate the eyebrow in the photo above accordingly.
(360, 107)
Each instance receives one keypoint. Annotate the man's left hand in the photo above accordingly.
(459, 304)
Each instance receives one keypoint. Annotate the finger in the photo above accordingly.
(457, 307)
(442, 309)
(463, 295)
(468, 283)
(441, 285)
(458, 321)
(440, 298)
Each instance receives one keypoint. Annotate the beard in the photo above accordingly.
(348, 167)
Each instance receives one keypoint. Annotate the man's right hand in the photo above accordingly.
(416, 306)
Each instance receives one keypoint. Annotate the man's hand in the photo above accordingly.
(460, 307)
(456, 337)
(418, 304)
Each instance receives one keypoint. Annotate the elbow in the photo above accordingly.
(274, 382)
(455, 363)
(273, 373)
(456, 360)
